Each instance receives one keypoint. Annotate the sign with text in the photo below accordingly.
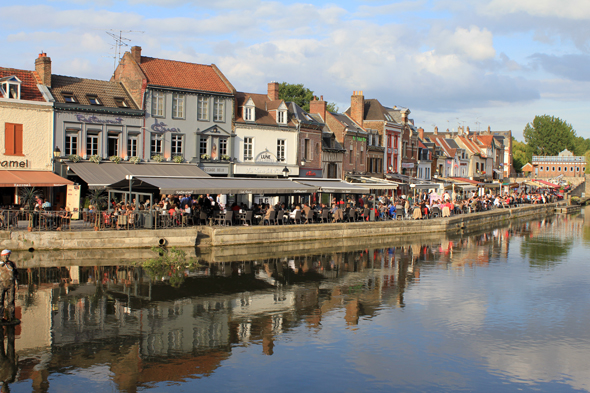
(73, 200)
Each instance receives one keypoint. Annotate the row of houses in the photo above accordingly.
(161, 112)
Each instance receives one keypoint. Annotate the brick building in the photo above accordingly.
(565, 164)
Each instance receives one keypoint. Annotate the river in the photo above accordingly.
(497, 311)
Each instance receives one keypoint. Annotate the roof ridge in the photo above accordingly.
(176, 61)
(86, 79)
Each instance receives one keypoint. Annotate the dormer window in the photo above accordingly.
(282, 117)
(249, 110)
(69, 98)
(93, 100)
(10, 87)
(121, 103)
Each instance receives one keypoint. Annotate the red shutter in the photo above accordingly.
(9, 139)
(18, 139)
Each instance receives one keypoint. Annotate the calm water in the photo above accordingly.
(504, 310)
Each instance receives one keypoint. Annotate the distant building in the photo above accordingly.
(565, 163)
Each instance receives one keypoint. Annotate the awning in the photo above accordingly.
(213, 185)
(333, 186)
(372, 183)
(32, 179)
(546, 183)
(425, 186)
(106, 173)
(491, 185)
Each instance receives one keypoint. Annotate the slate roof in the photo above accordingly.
(348, 122)
(302, 116)
(375, 111)
(183, 75)
(262, 107)
(80, 88)
(28, 88)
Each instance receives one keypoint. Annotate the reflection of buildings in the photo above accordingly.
(144, 332)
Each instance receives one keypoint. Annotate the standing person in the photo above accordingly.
(8, 278)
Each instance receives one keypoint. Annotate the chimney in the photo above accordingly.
(404, 117)
(421, 133)
(468, 129)
(489, 130)
(357, 107)
(273, 91)
(318, 107)
(136, 53)
(435, 130)
(43, 69)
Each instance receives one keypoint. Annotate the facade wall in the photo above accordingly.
(80, 125)
(189, 125)
(37, 124)
(264, 150)
(554, 169)
(310, 151)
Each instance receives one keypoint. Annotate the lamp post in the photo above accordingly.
(285, 172)
(56, 155)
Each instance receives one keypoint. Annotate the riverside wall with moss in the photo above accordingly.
(205, 236)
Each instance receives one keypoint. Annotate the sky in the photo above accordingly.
(475, 63)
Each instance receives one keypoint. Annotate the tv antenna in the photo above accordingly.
(120, 42)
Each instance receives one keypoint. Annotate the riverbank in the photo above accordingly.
(205, 236)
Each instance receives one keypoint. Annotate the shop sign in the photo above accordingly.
(359, 139)
(216, 169)
(311, 173)
(94, 119)
(161, 127)
(14, 164)
(266, 156)
(407, 165)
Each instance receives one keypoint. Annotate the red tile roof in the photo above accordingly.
(28, 87)
(263, 106)
(171, 73)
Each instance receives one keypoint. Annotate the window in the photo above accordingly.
(13, 139)
(559, 168)
(203, 146)
(350, 155)
(158, 104)
(93, 100)
(547, 169)
(132, 146)
(571, 169)
(71, 144)
(577, 169)
(553, 168)
(121, 103)
(249, 113)
(282, 117)
(92, 144)
(223, 147)
(156, 145)
(176, 145)
(248, 148)
(541, 169)
(307, 149)
(178, 105)
(281, 149)
(11, 87)
(203, 108)
(69, 98)
(113, 147)
(218, 107)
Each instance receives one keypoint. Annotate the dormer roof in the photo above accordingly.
(263, 106)
(28, 83)
(86, 91)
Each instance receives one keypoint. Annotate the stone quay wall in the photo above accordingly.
(205, 236)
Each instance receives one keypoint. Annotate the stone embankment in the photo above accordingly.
(204, 236)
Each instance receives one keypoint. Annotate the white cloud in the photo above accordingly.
(568, 9)
(474, 43)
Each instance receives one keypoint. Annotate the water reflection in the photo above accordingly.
(428, 315)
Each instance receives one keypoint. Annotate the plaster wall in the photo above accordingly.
(37, 121)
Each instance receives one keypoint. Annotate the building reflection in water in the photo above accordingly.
(146, 331)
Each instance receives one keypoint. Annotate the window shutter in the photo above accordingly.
(18, 139)
(9, 139)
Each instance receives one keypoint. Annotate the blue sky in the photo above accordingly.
(476, 63)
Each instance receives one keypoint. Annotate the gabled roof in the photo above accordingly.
(303, 117)
(28, 88)
(262, 107)
(81, 88)
(375, 111)
(348, 122)
(442, 142)
(471, 147)
(486, 140)
(182, 75)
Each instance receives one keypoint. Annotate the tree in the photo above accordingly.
(587, 155)
(300, 95)
(548, 136)
(519, 155)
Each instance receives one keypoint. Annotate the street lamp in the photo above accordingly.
(302, 162)
(285, 172)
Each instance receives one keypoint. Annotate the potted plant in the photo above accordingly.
(205, 157)
(95, 158)
(178, 159)
(157, 158)
(225, 157)
(28, 198)
(74, 158)
(135, 160)
(98, 199)
(115, 159)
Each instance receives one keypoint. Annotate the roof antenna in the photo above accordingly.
(119, 43)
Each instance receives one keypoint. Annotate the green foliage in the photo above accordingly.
(169, 264)
(98, 198)
(28, 197)
(548, 136)
(582, 146)
(519, 155)
(300, 95)
(587, 155)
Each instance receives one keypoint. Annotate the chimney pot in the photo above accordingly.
(357, 107)
(43, 68)
(136, 53)
(273, 91)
